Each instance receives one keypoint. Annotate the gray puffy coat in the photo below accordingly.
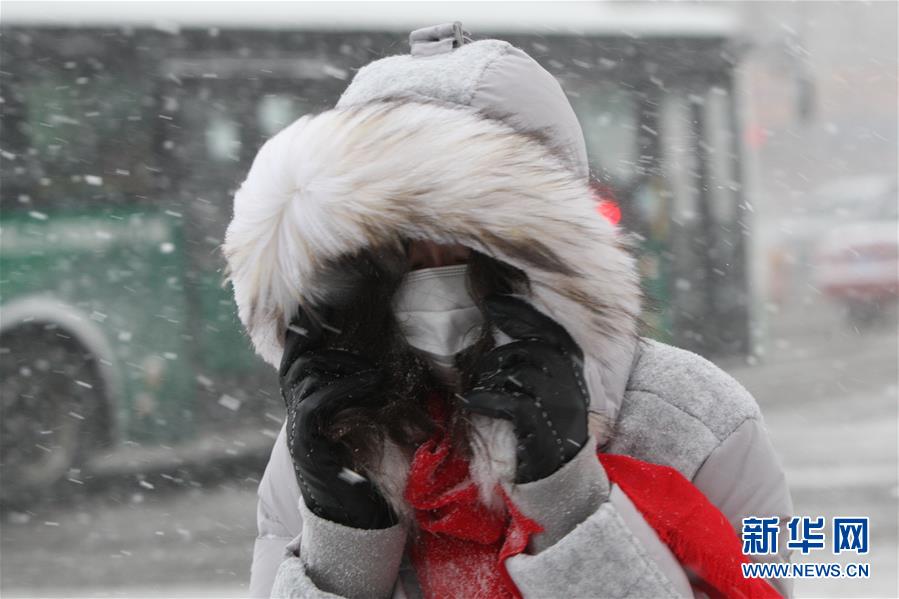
(416, 148)
(677, 409)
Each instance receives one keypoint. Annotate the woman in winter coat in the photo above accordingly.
(470, 409)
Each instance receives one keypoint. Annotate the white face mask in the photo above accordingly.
(437, 315)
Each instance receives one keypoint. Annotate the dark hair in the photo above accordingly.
(359, 316)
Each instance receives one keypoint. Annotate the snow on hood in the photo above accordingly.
(384, 170)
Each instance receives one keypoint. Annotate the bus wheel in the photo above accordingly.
(49, 401)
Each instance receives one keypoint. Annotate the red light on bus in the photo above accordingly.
(610, 210)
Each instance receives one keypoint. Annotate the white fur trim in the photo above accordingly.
(390, 476)
(336, 182)
(493, 457)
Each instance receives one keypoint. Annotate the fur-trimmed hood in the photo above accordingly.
(382, 171)
(333, 183)
(385, 170)
(464, 143)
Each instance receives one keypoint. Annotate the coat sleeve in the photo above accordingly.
(332, 560)
(298, 554)
(759, 490)
(594, 544)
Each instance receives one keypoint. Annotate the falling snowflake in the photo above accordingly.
(354, 478)
(232, 403)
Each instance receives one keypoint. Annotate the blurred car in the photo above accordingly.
(857, 263)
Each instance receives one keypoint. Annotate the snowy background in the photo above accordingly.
(819, 107)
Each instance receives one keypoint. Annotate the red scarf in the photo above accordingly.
(461, 546)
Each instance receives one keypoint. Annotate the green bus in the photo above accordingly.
(125, 135)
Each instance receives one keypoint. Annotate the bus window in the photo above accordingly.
(74, 131)
(726, 221)
(680, 165)
(608, 116)
(720, 145)
(679, 159)
(699, 163)
(276, 111)
(223, 139)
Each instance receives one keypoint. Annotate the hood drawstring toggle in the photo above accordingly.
(438, 39)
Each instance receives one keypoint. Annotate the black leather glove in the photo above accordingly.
(536, 382)
(316, 384)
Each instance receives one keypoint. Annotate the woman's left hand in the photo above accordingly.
(537, 383)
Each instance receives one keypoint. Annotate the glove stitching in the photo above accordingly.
(552, 428)
(305, 486)
(578, 377)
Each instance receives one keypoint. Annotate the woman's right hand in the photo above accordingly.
(316, 384)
